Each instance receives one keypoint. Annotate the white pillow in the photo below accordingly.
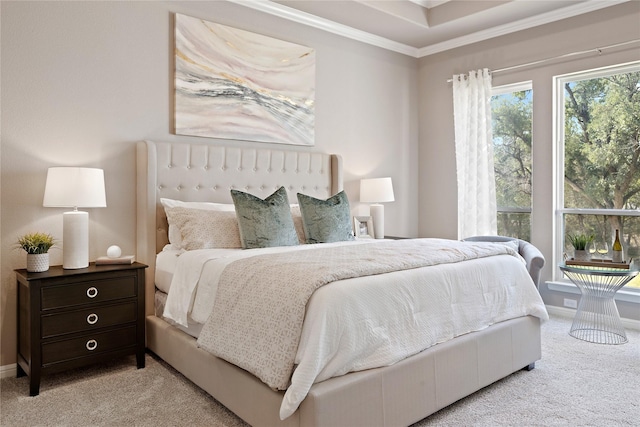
(175, 237)
(170, 203)
(205, 229)
(297, 223)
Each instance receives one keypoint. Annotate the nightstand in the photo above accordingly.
(72, 318)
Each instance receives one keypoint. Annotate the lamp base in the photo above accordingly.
(75, 240)
(377, 215)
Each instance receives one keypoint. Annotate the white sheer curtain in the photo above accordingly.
(477, 210)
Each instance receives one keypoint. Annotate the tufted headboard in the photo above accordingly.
(206, 173)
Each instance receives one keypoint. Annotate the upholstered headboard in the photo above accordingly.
(206, 173)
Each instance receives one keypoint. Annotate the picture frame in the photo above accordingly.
(363, 227)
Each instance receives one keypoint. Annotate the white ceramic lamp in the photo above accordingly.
(71, 187)
(377, 191)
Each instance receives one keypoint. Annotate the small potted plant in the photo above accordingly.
(37, 246)
(580, 243)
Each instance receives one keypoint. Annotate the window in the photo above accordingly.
(598, 159)
(511, 111)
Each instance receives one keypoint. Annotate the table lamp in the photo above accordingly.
(377, 191)
(75, 187)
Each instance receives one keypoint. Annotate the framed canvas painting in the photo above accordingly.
(235, 84)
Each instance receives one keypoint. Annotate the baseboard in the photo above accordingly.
(8, 370)
(570, 313)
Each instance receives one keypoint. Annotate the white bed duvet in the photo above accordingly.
(372, 321)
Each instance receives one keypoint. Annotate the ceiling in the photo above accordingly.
(423, 27)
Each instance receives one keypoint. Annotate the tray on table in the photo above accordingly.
(601, 263)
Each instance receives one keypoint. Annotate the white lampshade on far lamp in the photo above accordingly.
(71, 187)
(377, 191)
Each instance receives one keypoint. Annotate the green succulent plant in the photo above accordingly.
(36, 243)
(580, 241)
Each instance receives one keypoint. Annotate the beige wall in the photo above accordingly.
(83, 81)
(437, 173)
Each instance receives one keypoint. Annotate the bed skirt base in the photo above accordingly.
(400, 394)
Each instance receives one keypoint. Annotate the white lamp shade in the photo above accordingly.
(75, 187)
(376, 190)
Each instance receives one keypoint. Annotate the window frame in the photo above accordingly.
(558, 112)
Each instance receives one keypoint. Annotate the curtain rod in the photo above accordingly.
(566, 55)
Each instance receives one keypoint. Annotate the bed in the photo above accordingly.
(399, 394)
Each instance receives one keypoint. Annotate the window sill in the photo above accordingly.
(621, 295)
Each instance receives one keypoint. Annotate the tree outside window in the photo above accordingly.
(511, 112)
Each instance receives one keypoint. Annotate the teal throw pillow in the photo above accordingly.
(264, 223)
(326, 221)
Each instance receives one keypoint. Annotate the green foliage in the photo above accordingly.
(580, 241)
(512, 139)
(602, 156)
(602, 153)
(602, 142)
(36, 243)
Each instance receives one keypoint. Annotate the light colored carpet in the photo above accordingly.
(575, 384)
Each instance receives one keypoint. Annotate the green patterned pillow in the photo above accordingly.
(264, 223)
(326, 221)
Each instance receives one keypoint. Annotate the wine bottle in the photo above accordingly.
(617, 248)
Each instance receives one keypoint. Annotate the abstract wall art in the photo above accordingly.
(234, 84)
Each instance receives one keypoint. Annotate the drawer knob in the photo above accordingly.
(92, 319)
(92, 292)
(92, 345)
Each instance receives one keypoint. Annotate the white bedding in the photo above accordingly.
(191, 296)
(165, 267)
(372, 321)
(194, 328)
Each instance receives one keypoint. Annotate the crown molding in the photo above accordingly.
(523, 24)
(310, 20)
(307, 19)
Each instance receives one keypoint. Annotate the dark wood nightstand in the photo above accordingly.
(71, 318)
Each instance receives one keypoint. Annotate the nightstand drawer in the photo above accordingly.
(88, 319)
(88, 345)
(88, 292)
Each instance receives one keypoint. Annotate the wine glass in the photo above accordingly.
(603, 249)
(592, 248)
